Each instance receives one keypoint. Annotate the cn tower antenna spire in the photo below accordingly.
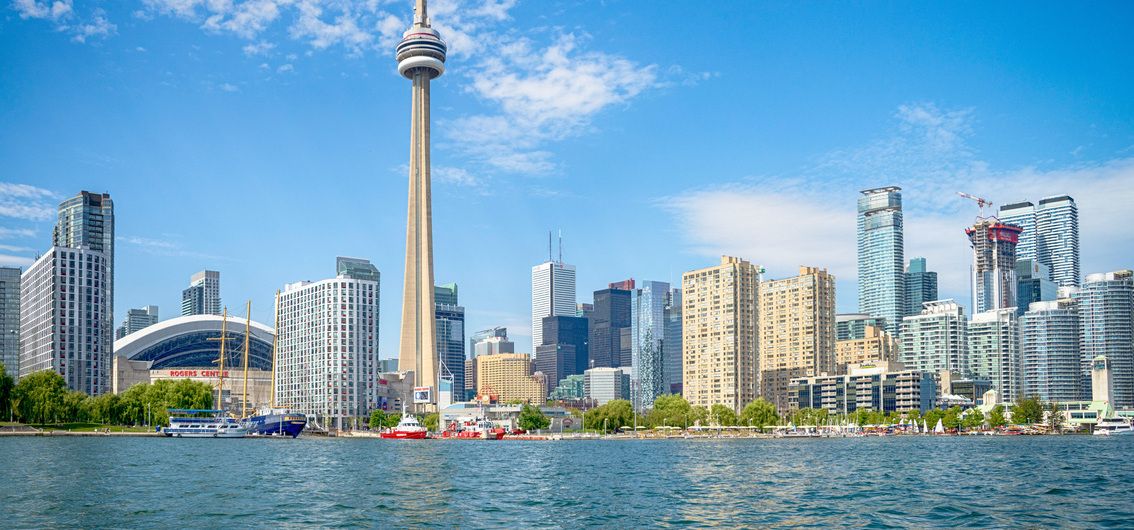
(420, 15)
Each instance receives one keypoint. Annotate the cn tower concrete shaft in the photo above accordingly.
(421, 57)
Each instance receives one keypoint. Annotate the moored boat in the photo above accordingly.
(408, 429)
(1114, 427)
(276, 422)
(191, 424)
(474, 429)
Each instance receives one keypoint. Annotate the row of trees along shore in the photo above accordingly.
(42, 398)
(675, 411)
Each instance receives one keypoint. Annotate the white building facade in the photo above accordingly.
(553, 294)
(327, 349)
(1051, 364)
(64, 298)
(936, 339)
(994, 351)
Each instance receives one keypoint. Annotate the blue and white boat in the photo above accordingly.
(202, 423)
(276, 422)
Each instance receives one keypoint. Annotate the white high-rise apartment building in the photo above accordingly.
(203, 295)
(553, 294)
(63, 301)
(327, 348)
(1106, 316)
(994, 351)
(1050, 236)
(1050, 351)
(936, 339)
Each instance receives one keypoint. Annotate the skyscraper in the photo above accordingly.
(553, 293)
(508, 377)
(1106, 316)
(1050, 236)
(421, 58)
(451, 336)
(648, 337)
(797, 331)
(63, 298)
(994, 351)
(564, 348)
(936, 339)
(881, 255)
(10, 320)
(490, 342)
(1051, 365)
(671, 345)
(137, 319)
(852, 326)
(327, 345)
(611, 318)
(1033, 284)
(719, 334)
(86, 221)
(202, 297)
(921, 286)
(994, 264)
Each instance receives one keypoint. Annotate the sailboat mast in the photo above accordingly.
(275, 337)
(247, 341)
(220, 361)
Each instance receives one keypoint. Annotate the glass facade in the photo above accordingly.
(881, 256)
(921, 286)
(1106, 313)
(10, 320)
(1050, 351)
(564, 349)
(610, 317)
(1050, 236)
(647, 342)
(1033, 284)
(450, 329)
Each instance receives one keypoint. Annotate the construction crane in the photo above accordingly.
(981, 202)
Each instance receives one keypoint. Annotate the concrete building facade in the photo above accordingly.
(136, 320)
(1051, 364)
(994, 351)
(605, 384)
(797, 331)
(936, 339)
(720, 334)
(508, 377)
(202, 297)
(553, 294)
(63, 327)
(327, 348)
(876, 345)
(1106, 315)
(878, 386)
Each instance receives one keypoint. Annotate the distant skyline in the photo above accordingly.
(263, 139)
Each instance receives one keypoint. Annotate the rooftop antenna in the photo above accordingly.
(560, 245)
(549, 245)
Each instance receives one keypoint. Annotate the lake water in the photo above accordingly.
(1069, 481)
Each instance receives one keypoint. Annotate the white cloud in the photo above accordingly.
(7, 260)
(344, 29)
(16, 233)
(454, 175)
(285, 68)
(163, 247)
(14, 248)
(258, 48)
(782, 223)
(543, 95)
(27, 202)
(62, 15)
(229, 87)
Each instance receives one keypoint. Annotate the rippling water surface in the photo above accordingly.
(1069, 481)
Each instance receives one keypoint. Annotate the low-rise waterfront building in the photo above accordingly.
(882, 386)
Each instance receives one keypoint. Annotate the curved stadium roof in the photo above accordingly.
(182, 342)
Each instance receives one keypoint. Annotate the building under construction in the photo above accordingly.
(994, 264)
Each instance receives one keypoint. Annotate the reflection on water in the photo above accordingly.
(880, 482)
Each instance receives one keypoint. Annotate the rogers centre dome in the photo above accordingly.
(183, 342)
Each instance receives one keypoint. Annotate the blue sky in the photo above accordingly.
(262, 138)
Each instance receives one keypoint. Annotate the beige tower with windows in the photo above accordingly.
(797, 331)
(719, 335)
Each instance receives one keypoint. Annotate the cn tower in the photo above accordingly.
(421, 57)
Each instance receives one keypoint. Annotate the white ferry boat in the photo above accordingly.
(216, 425)
(1113, 427)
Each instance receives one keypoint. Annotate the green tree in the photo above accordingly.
(670, 410)
(932, 416)
(392, 420)
(1055, 417)
(431, 420)
(952, 419)
(532, 419)
(377, 419)
(73, 406)
(972, 419)
(760, 413)
(611, 416)
(1027, 411)
(6, 386)
(996, 417)
(722, 415)
(40, 396)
